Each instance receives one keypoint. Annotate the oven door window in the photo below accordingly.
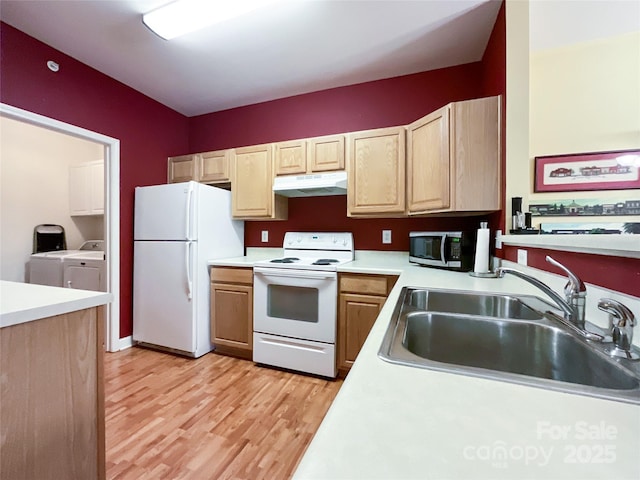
(292, 303)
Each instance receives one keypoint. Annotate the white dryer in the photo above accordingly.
(85, 270)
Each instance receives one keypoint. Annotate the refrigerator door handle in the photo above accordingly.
(187, 215)
(187, 264)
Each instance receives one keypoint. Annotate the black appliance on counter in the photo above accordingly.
(447, 250)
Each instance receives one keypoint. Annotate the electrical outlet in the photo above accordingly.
(386, 236)
(522, 257)
(265, 236)
(498, 238)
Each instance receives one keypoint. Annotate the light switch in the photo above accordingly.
(386, 236)
(265, 236)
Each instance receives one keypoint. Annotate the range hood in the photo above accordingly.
(314, 185)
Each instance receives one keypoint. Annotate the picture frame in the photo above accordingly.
(580, 207)
(615, 170)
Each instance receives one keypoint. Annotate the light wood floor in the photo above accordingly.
(216, 417)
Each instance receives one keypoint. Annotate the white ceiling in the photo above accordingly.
(297, 47)
(555, 23)
(293, 48)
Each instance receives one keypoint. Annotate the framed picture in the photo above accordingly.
(569, 207)
(588, 171)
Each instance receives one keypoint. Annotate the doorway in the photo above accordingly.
(111, 157)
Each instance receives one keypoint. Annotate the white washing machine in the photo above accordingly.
(47, 268)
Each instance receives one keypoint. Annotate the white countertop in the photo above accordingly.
(253, 255)
(395, 422)
(25, 302)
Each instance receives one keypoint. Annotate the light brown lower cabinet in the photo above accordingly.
(52, 398)
(361, 299)
(232, 311)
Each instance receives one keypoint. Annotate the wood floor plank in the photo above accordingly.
(215, 417)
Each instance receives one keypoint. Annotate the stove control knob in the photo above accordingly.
(299, 239)
(335, 239)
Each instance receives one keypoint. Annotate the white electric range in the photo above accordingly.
(295, 303)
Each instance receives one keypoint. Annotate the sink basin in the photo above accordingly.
(491, 305)
(514, 347)
(503, 337)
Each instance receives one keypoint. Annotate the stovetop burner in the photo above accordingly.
(325, 261)
(312, 251)
(285, 260)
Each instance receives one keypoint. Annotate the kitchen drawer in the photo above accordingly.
(232, 275)
(367, 284)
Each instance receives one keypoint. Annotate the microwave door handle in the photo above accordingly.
(442, 249)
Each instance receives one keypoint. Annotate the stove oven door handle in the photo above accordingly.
(274, 272)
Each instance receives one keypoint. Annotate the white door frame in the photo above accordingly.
(111, 211)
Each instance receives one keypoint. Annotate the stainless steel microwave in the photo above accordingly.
(449, 250)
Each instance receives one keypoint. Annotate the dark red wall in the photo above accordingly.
(329, 214)
(616, 273)
(383, 103)
(148, 131)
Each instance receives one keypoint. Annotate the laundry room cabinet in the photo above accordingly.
(86, 189)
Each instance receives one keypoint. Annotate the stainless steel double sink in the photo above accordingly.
(504, 337)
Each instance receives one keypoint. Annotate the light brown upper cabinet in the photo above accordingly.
(376, 166)
(291, 157)
(325, 154)
(319, 154)
(208, 167)
(181, 169)
(214, 167)
(252, 194)
(453, 159)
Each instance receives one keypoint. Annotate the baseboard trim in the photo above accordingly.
(126, 342)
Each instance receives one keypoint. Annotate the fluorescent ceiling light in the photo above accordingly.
(185, 16)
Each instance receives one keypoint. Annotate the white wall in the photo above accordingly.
(517, 128)
(586, 98)
(34, 189)
(583, 93)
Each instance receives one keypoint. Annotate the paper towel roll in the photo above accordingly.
(481, 264)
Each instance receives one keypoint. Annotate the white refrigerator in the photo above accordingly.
(177, 228)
